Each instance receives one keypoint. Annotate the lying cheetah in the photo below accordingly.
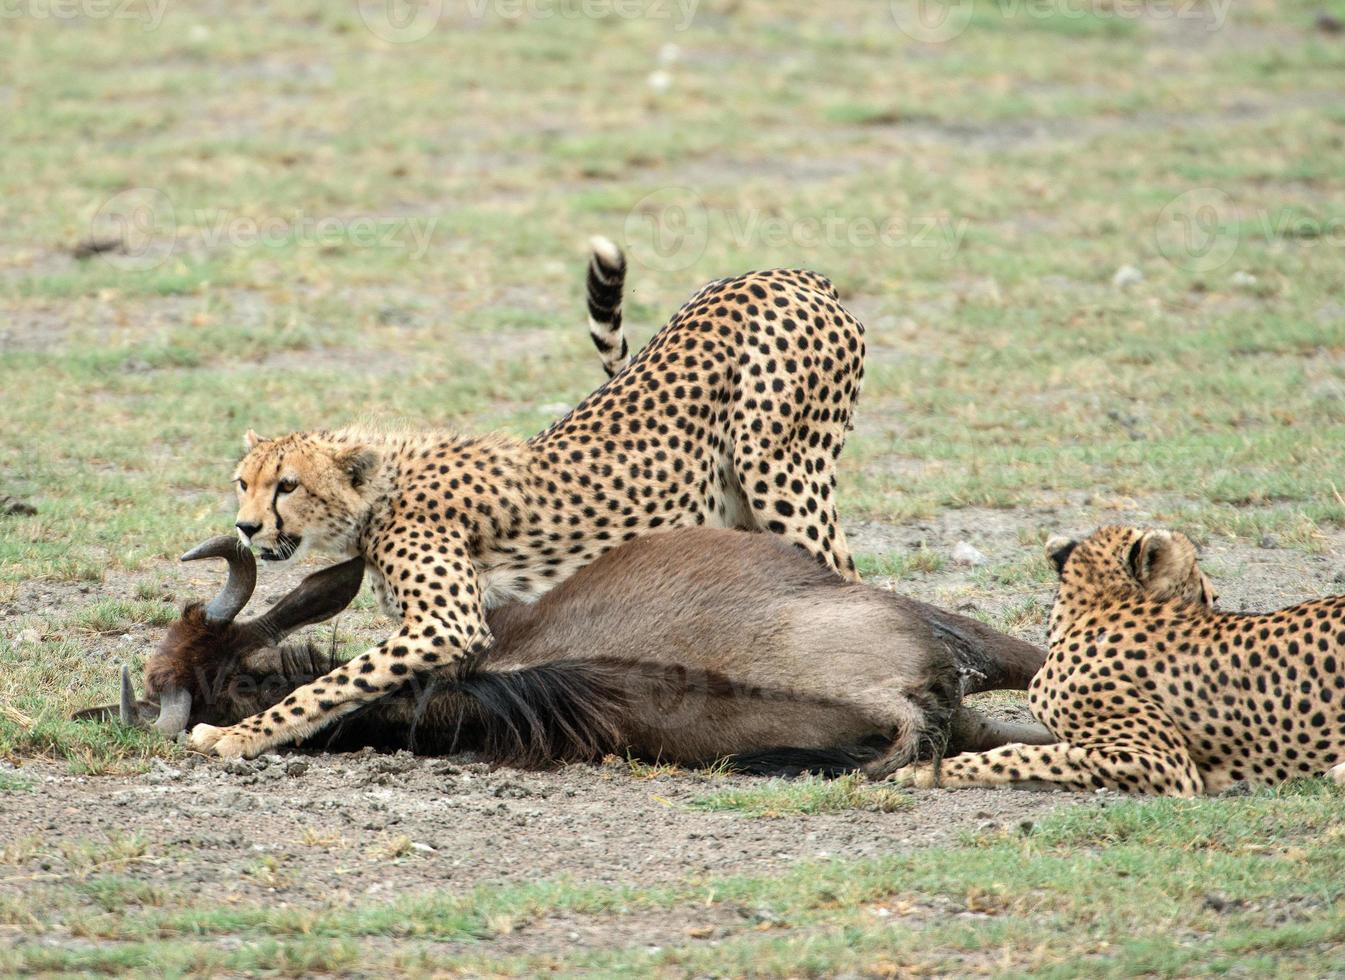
(1152, 691)
(732, 416)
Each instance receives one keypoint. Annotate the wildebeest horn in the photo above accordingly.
(242, 576)
(174, 711)
(126, 710)
(318, 597)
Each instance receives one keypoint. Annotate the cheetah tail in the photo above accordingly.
(606, 278)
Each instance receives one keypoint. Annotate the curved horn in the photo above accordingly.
(174, 711)
(126, 710)
(242, 576)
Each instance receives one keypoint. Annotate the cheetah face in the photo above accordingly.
(297, 494)
(1159, 564)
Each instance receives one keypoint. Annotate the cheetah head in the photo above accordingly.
(1127, 562)
(300, 493)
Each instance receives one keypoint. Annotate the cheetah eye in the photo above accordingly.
(288, 486)
(242, 484)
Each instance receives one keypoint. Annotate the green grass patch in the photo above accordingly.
(901, 564)
(12, 782)
(803, 797)
(91, 748)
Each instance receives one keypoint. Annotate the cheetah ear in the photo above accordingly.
(358, 464)
(1058, 550)
(1164, 563)
(251, 440)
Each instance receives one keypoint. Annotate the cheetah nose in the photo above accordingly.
(247, 530)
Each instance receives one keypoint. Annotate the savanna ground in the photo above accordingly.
(1098, 248)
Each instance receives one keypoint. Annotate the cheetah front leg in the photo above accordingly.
(443, 622)
(1064, 766)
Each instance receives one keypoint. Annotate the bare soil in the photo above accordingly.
(338, 824)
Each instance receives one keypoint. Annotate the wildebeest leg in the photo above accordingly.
(973, 731)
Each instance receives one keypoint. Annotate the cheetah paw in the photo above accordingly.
(918, 777)
(1337, 774)
(227, 743)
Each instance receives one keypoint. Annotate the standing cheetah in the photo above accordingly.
(732, 416)
(1152, 691)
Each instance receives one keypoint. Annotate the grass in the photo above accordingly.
(1155, 887)
(900, 565)
(795, 797)
(14, 783)
(972, 200)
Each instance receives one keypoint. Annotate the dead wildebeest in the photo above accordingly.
(688, 646)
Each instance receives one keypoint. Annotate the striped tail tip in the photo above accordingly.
(606, 280)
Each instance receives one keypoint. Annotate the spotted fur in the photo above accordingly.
(1150, 690)
(732, 416)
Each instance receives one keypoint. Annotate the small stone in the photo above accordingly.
(965, 554)
(27, 636)
(296, 767)
(1127, 276)
(1269, 541)
(1340, 577)
(162, 772)
(239, 767)
(1242, 280)
(659, 81)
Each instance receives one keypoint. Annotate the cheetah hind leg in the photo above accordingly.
(1337, 774)
(796, 499)
(1064, 766)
